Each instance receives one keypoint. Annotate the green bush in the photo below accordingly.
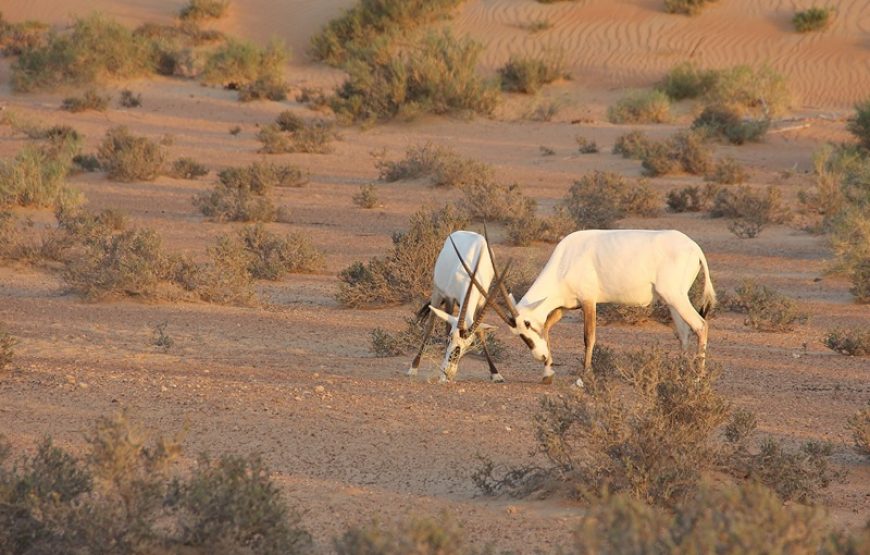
(599, 199)
(272, 256)
(441, 164)
(90, 100)
(859, 423)
(859, 124)
(197, 10)
(761, 93)
(15, 38)
(766, 309)
(687, 81)
(528, 75)
(255, 72)
(437, 74)
(634, 145)
(641, 107)
(36, 177)
(812, 19)
(726, 124)
(236, 199)
(126, 157)
(94, 50)
(852, 342)
(687, 199)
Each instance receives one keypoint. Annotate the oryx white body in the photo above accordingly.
(629, 267)
(452, 286)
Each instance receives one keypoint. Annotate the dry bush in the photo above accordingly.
(725, 123)
(812, 19)
(95, 49)
(749, 210)
(15, 38)
(404, 274)
(641, 107)
(766, 309)
(271, 256)
(685, 80)
(527, 227)
(197, 10)
(687, 7)
(585, 146)
(852, 342)
(241, 193)
(187, 168)
(860, 277)
(543, 111)
(343, 39)
(441, 164)
(634, 145)
(841, 185)
(859, 124)
(367, 197)
(495, 202)
(859, 423)
(129, 99)
(126, 157)
(850, 238)
(727, 171)
(536, 26)
(690, 198)
(7, 349)
(313, 136)
(547, 151)
(86, 163)
(528, 75)
(90, 100)
(36, 177)
(255, 72)
(122, 497)
(441, 536)
(437, 74)
(408, 340)
(685, 151)
(599, 199)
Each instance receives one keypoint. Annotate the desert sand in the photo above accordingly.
(372, 443)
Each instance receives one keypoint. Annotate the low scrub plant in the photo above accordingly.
(724, 123)
(127, 157)
(418, 536)
(812, 19)
(129, 99)
(527, 227)
(686, 80)
(90, 100)
(404, 274)
(859, 424)
(687, 7)
(634, 145)
(272, 256)
(385, 344)
(599, 199)
(641, 107)
(224, 279)
(685, 151)
(255, 72)
(528, 74)
(198, 10)
(859, 124)
(727, 171)
(15, 38)
(7, 349)
(852, 342)
(35, 177)
(766, 309)
(187, 168)
(691, 198)
(442, 165)
(750, 210)
(367, 197)
(313, 136)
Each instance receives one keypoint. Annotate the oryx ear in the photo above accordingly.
(449, 318)
(536, 304)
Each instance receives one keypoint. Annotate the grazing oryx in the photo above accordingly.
(453, 283)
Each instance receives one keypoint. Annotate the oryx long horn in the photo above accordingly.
(501, 287)
(463, 310)
(485, 293)
(478, 318)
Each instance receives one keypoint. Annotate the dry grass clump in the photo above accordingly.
(527, 227)
(528, 74)
(7, 350)
(95, 49)
(859, 423)
(441, 164)
(727, 171)
(123, 493)
(686, 80)
(404, 274)
(313, 136)
(126, 157)
(224, 279)
(599, 199)
(386, 344)
(687, 7)
(437, 74)
(749, 210)
(685, 151)
(369, 21)
(852, 342)
(367, 197)
(726, 124)
(585, 146)
(36, 176)
(641, 107)
(272, 256)
(187, 168)
(812, 19)
(441, 536)
(688, 199)
(634, 145)
(129, 99)
(90, 100)
(235, 201)
(859, 124)
(197, 10)
(15, 38)
(255, 72)
(489, 201)
(766, 309)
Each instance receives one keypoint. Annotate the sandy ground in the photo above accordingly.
(372, 443)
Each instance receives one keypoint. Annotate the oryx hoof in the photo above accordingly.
(411, 372)
(547, 380)
(497, 378)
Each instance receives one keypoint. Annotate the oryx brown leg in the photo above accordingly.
(552, 319)
(588, 333)
(430, 323)
(493, 371)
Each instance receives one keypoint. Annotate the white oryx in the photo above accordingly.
(629, 267)
(454, 284)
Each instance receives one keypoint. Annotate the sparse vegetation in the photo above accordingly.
(87, 162)
(528, 75)
(724, 123)
(546, 151)
(440, 536)
(687, 7)
(688, 199)
(386, 344)
(367, 197)
(859, 423)
(197, 10)
(255, 72)
(685, 151)
(90, 100)
(536, 26)
(129, 99)
(599, 199)
(727, 171)
(750, 210)
(585, 146)
(634, 145)
(441, 164)
(7, 351)
(859, 124)
(126, 157)
(313, 136)
(241, 193)
(641, 107)
(495, 202)
(766, 309)
(36, 177)
(852, 342)
(812, 19)
(272, 257)
(15, 38)
(686, 80)
(187, 168)
(161, 338)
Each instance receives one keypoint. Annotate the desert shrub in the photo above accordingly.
(641, 107)
(129, 99)
(585, 146)
(261, 177)
(367, 197)
(536, 26)
(725, 123)
(416, 537)
(437, 74)
(634, 145)
(688, 7)
(90, 100)
(368, 21)
(547, 151)
(384, 344)
(273, 256)
(852, 342)
(685, 151)
(441, 164)
(35, 177)
(811, 19)
(408, 340)
(860, 277)
(687, 199)
(235, 203)
(687, 81)
(527, 227)
(859, 124)
(225, 279)
(841, 177)
(188, 168)
(727, 171)
(761, 93)
(527, 75)
(599, 199)
(766, 309)
(15, 38)
(544, 110)
(749, 210)
(87, 162)
(126, 157)
(313, 136)
(495, 202)
(95, 49)
(859, 423)
(289, 121)
(7, 349)
(850, 238)
(256, 72)
(404, 274)
(197, 10)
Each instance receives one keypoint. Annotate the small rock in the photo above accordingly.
(319, 389)
(507, 428)
(511, 509)
(83, 385)
(164, 389)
